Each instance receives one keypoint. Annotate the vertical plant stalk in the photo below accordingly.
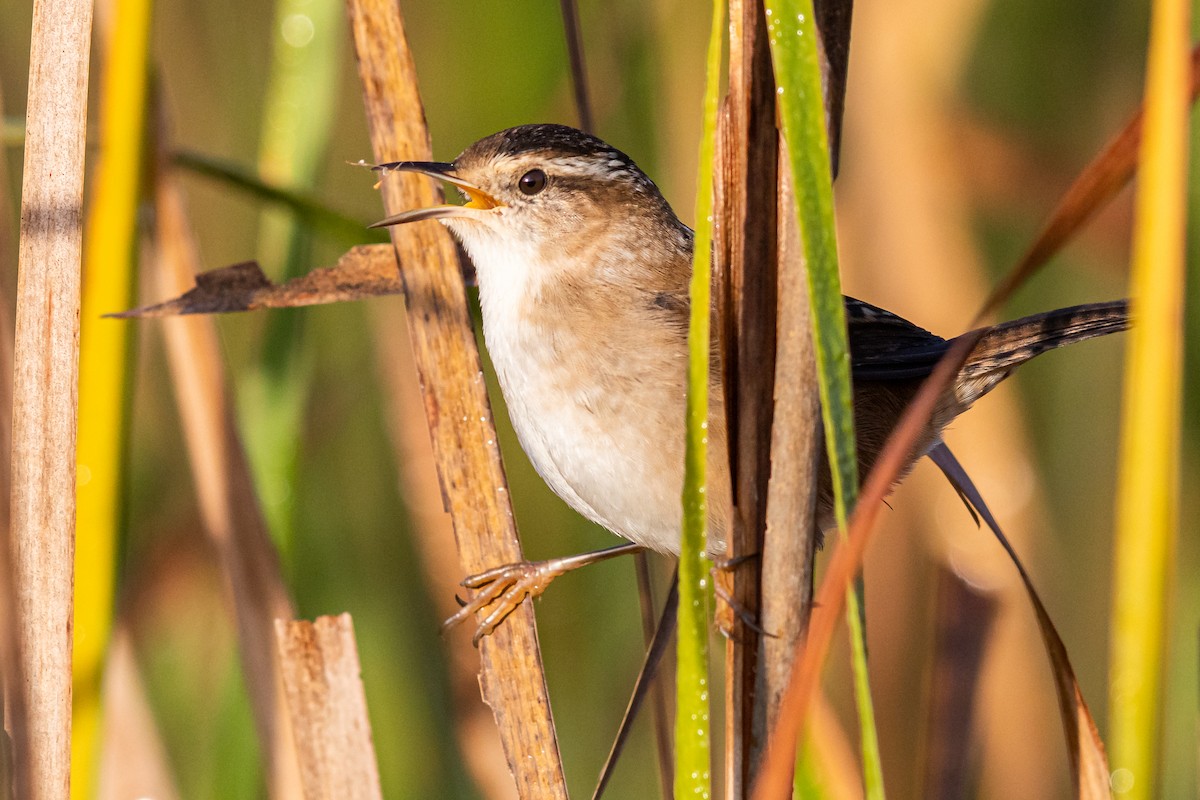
(473, 485)
(298, 110)
(791, 535)
(1147, 487)
(796, 56)
(574, 34)
(328, 708)
(46, 356)
(833, 25)
(748, 240)
(693, 765)
(110, 266)
(8, 215)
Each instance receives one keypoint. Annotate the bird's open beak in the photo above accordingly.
(478, 199)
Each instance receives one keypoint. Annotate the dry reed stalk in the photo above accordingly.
(789, 543)
(133, 759)
(747, 243)
(328, 709)
(434, 539)
(456, 403)
(45, 376)
(228, 507)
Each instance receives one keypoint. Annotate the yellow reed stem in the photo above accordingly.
(110, 252)
(1147, 492)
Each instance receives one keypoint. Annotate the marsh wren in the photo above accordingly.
(583, 272)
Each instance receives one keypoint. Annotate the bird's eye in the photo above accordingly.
(532, 182)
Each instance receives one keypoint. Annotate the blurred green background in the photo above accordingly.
(1037, 89)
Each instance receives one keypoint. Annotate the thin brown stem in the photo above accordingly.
(574, 34)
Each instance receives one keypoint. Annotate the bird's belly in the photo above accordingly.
(591, 446)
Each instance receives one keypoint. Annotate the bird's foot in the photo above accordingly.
(504, 587)
(501, 590)
(722, 574)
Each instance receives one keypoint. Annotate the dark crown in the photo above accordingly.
(545, 138)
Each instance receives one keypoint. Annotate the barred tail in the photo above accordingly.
(1008, 345)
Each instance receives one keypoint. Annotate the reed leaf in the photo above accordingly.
(793, 34)
(311, 211)
(692, 735)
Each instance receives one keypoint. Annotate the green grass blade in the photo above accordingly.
(797, 71)
(692, 736)
(872, 763)
(793, 34)
(1147, 490)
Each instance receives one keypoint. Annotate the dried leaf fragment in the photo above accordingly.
(364, 271)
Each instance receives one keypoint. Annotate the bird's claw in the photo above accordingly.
(722, 567)
(747, 618)
(502, 590)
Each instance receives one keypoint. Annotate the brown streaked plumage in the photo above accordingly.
(583, 273)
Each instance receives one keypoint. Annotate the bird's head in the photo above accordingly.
(547, 194)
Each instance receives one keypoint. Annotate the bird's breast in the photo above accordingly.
(599, 409)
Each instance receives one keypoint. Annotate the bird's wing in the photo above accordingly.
(884, 346)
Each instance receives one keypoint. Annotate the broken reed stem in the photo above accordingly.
(46, 355)
(328, 709)
(460, 420)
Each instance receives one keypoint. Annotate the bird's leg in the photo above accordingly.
(506, 587)
(722, 575)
